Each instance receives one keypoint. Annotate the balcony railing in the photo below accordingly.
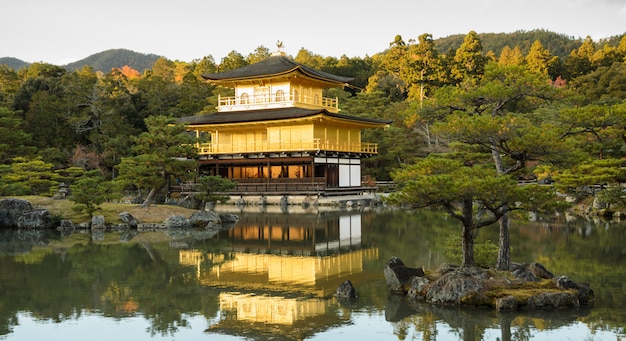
(276, 101)
(286, 146)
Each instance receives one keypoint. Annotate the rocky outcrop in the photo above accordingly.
(66, 227)
(128, 219)
(417, 289)
(584, 293)
(205, 219)
(452, 285)
(98, 222)
(19, 213)
(553, 300)
(11, 209)
(455, 286)
(228, 218)
(176, 221)
(398, 275)
(35, 219)
(531, 272)
(507, 303)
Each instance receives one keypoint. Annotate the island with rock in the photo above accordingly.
(525, 286)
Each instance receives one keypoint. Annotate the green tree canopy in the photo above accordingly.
(89, 192)
(166, 150)
(464, 190)
(469, 62)
(14, 140)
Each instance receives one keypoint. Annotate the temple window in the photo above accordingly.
(245, 99)
(280, 96)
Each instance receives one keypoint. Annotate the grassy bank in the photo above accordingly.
(63, 208)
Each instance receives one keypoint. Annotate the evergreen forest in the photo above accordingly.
(547, 110)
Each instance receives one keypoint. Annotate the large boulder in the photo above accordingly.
(418, 288)
(553, 300)
(11, 209)
(66, 225)
(584, 292)
(205, 219)
(128, 219)
(176, 221)
(506, 303)
(540, 271)
(98, 222)
(455, 287)
(35, 219)
(228, 218)
(398, 275)
(531, 272)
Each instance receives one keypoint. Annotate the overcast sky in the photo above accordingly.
(63, 31)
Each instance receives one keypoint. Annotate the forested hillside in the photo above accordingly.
(103, 61)
(13, 63)
(107, 60)
(558, 44)
(549, 117)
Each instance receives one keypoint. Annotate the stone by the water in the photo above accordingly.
(346, 290)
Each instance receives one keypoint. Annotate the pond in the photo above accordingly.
(272, 276)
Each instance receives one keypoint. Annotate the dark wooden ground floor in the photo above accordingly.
(304, 175)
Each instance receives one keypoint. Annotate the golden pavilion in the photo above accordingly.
(279, 135)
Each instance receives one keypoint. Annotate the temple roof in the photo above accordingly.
(276, 65)
(271, 115)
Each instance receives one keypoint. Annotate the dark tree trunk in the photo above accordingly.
(150, 197)
(468, 248)
(467, 235)
(504, 249)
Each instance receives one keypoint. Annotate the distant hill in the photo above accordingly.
(558, 44)
(13, 63)
(116, 58)
(103, 61)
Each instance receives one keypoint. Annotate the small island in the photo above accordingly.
(526, 286)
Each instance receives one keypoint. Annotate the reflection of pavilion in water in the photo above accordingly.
(282, 268)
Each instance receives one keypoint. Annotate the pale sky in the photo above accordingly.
(63, 31)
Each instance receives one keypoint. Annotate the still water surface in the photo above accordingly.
(272, 276)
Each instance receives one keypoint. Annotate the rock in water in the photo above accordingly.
(398, 275)
(35, 219)
(204, 218)
(506, 303)
(346, 290)
(585, 293)
(418, 288)
(229, 218)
